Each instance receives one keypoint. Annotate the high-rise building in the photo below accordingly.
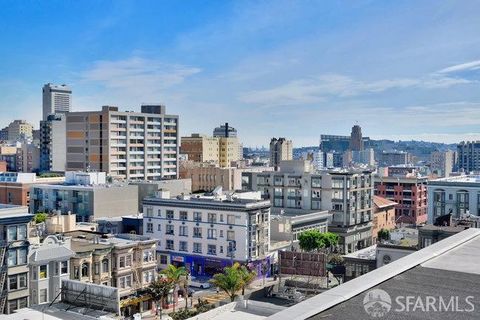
(468, 155)
(394, 158)
(53, 143)
(280, 149)
(125, 145)
(201, 148)
(56, 99)
(442, 163)
(356, 142)
(19, 130)
(225, 131)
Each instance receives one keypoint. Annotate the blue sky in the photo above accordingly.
(401, 69)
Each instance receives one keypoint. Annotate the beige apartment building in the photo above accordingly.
(280, 149)
(206, 177)
(19, 130)
(201, 148)
(126, 145)
(218, 150)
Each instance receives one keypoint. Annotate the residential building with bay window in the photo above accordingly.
(49, 264)
(297, 189)
(455, 195)
(206, 233)
(14, 272)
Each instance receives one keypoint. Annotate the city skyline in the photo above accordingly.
(293, 69)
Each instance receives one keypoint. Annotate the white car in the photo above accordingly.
(198, 283)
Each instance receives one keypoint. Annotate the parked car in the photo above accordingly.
(199, 283)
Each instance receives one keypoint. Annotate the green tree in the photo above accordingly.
(383, 234)
(312, 240)
(177, 275)
(159, 290)
(230, 281)
(246, 275)
(40, 217)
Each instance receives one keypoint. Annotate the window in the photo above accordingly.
(212, 217)
(122, 262)
(105, 265)
(147, 256)
(169, 245)
(169, 229)
(316, 182)
(197, 232)
(128, 281)
(212, 249)
(159, 227)
(159, 213)
(337, 183)
(43, 271)
(22, 280)
(221, 217)
(169, 214)
(22, 303)
(221, 233)
(149, 227)
(97, 268)
(12, 305)
(148, 276)
(17, 233)
(197, 247)
(230, 235)
(183, 246)
(43, 295)
(128, 261)
(221, 249)
(183, 231)
(12, 257)
(149, 212)
(85, 271)
(212, 234)
(231, 219)
(197, 216)
(163, 259)
(183, 215)
(12, 283)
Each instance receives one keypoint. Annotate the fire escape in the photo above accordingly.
(3, 276)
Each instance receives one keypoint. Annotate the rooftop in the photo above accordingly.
(368, 253)
(56, 312)
(471, 178)
(445, 270)
(381, 202)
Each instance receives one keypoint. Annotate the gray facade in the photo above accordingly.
(14, 288)
(87, 202)
(468, 154)
(53, 143)
(56, 99)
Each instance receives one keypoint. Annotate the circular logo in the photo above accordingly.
(377, 303)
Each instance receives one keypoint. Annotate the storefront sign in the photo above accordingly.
(178, 258)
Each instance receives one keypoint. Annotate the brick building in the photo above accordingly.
(410, 194)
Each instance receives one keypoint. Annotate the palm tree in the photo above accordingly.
(159, 290)
(230, 281)
(247, 276)
(177, 276)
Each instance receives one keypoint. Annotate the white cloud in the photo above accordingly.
(468, 66)
(138, 75)
(320, 88)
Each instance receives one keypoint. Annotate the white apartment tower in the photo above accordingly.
(56, 99)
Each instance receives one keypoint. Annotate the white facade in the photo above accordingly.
(209, 228)
(458, 196)
(49, 264)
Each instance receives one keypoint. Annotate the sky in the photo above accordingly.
(400, 69)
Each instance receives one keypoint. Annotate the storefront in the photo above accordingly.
(136, 304)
